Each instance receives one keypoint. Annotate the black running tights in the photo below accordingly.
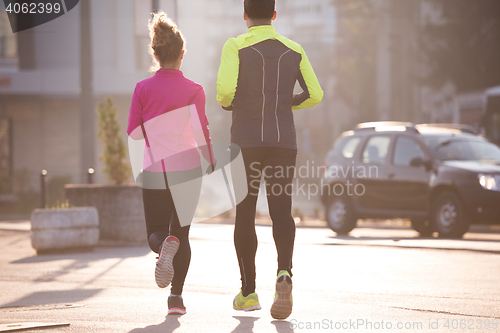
(162, 221)
(278, 167)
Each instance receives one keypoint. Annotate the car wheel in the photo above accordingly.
(448, 216)
(340, 215)
(422, 225)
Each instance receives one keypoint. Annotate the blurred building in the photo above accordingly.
(47, 118)
(377, 59)
(312, 23)
(41, 87)
(379, 66)
(481, 110)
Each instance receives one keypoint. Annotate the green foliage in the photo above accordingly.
(462, 44)
(60, 205)
(115, 153)
(4, 182)
(355, 58)
(56, 188)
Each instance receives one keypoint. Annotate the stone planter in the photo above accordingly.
(120, 207)
(54, 230)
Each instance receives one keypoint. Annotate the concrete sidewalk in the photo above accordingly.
(112, 289)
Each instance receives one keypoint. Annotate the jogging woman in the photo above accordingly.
(168, 112)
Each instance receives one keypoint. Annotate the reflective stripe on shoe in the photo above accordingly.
(164, 271)
(176, 311)
(283, 302)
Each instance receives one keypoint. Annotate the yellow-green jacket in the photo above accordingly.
(256, 79)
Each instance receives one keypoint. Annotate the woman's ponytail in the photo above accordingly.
(166, 41)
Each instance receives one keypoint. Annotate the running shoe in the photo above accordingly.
(249, 303)
(283, 301)
(175, 305)
(164, 271)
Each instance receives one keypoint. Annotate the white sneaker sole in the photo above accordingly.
(252, 308)
(282, 305)
(164, 271)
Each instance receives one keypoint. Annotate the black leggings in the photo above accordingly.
(162, 221)
(278, 167)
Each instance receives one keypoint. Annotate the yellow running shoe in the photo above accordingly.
(249, 303)
(283, 301)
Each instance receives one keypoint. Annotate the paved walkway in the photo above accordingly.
(379, 274)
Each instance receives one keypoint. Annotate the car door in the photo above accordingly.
(408, 185)
(371, 174)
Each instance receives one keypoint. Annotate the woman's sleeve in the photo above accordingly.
(134, 129)
(200, 129)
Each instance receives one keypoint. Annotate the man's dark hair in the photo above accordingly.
(259, 9)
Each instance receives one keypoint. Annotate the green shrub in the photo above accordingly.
(56, 188)
(114, 156)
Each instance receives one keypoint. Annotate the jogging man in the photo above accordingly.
(256, 79)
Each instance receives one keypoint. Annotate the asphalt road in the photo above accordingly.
(381, 279)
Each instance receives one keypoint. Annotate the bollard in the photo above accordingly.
(90, 176)
(43, 188)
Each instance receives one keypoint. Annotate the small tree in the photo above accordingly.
(115, 153)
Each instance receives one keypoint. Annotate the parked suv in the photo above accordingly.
(443, 179)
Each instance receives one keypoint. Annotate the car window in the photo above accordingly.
(350, 147)
(464, 150)
(376, 149)
(406, 150)
(465, 147)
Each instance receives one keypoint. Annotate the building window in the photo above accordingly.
(143, 9)
(8, 42)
